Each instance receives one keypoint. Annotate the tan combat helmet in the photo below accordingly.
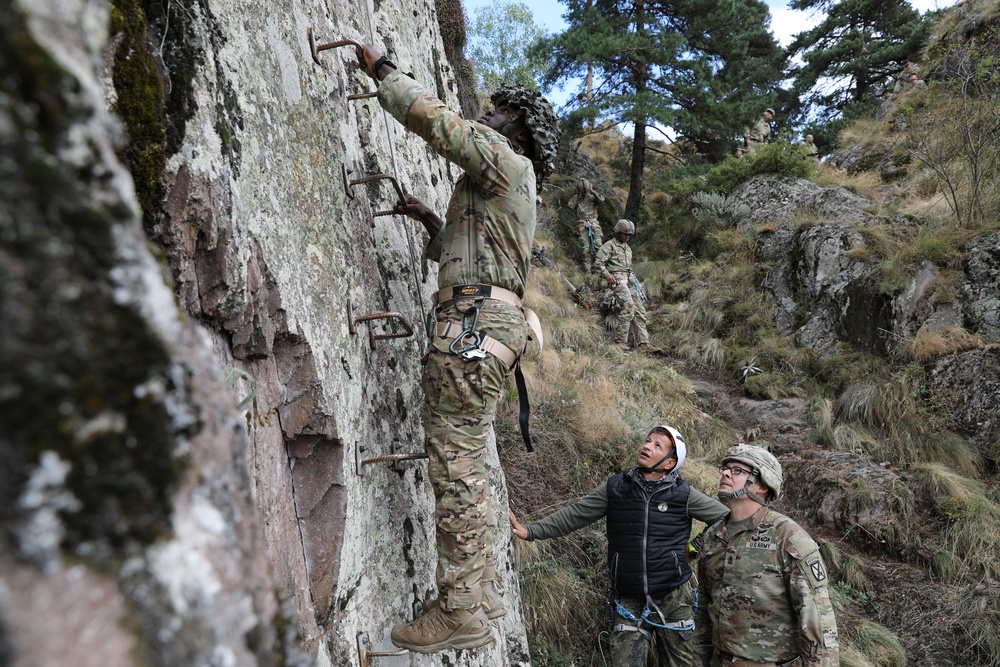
(624, 225)
(763, 466)
(541, 121)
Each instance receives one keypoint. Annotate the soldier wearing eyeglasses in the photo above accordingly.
(764, 596)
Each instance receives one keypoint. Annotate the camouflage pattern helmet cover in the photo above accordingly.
(541, 121)
(760, 460)
(625, 226)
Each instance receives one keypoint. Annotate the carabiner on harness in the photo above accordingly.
(686, 625)
(471, 351)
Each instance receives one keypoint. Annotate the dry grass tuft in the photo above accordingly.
(819, 412)
(972, 532)
(852, 573)
(980, 620)
(852, 657)
(555, 600)
(930, 346)
(879, 645)
(936, 480)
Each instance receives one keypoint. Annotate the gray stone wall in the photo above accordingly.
(190, 482)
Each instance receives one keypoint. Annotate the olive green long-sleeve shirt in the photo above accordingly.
(594, 506)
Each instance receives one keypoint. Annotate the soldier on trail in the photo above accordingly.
(763, 597)
(759, 132)
(614, 263)
(811, 147)
(483, 248)
(649, 510)
(585, 202)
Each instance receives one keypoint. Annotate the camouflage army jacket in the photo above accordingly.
(613, 257)
(760, 131)
(586, 206)
(490, 221)
(764, 593)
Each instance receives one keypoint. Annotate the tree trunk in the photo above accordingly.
(639, 143)
(635, 175)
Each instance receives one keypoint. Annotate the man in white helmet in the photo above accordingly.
(649, 510)
(613, 262)
(763, 596)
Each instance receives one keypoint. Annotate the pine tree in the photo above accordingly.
(854, 52)
(500, 36)
(703, 68)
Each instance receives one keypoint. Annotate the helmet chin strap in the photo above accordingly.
(745, 491)
(656, 466)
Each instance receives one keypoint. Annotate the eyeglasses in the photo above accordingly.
(734, 470)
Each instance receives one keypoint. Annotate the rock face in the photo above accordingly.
(187, 396)
(826, 290)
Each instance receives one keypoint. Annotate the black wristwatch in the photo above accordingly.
(378, 65)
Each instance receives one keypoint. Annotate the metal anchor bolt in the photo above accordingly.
(392, 456)
(372, 336)
(315, 48)
(365, 652)
(349, 184)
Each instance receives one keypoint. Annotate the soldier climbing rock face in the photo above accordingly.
(483, 248)
(761, 574)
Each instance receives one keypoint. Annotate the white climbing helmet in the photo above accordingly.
(679, 446)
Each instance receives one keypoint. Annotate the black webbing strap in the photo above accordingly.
(522, 395)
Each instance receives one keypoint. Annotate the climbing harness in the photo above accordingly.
(470, 344)
(471, 351)
(638, 288)
(686, 625)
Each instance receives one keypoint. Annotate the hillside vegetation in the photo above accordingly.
(914, 539)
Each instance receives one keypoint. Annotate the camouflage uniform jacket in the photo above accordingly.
(586, 206)
(490, 221)
(759, 133)
(764, 593)
(613, 258)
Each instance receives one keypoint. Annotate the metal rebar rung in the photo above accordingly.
(395, 458)
(349, 183)
(372, 336)
(365, 652)
(315, 48)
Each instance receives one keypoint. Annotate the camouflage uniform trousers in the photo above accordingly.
(460, 403)
(632, 310)
(591, 239)
(666, 648)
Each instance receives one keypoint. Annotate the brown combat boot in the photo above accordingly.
(493, 605)
(492, 602)
(649, 349)
(440, 630)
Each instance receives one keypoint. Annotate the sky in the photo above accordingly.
(785, 22)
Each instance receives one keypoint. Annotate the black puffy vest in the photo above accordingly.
(647, 537)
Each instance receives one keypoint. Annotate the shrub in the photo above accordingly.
(779, 157)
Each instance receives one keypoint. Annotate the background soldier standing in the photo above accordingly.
(649, 510)
(614, 263)
(759, 133)
(763, 598)
(585, 202)
(483, 253)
